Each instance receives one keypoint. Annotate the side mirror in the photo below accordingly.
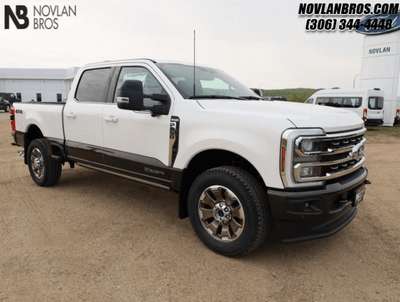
(130, 95)
(258, 91)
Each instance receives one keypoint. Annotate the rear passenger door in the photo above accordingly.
(83, 118)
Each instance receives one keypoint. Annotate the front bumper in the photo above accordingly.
(303, 215)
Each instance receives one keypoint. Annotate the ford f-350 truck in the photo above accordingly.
(243, 168)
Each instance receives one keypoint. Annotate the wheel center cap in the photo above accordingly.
(38, 162)
(222, 212)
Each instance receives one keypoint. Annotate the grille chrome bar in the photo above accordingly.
(327, 176)
(333, 156)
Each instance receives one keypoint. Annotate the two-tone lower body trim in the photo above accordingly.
(128, 165)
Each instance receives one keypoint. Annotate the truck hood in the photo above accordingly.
(299, 114)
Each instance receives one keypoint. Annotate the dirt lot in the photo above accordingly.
(96, 237)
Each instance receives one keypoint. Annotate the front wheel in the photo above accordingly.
(228, 210)
(44, 171)
(7, 108)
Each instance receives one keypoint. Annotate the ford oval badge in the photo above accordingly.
(370, 25)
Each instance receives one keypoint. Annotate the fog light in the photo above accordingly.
(310, 172)
(306, 172)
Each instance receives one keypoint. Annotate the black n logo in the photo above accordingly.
(21, 11)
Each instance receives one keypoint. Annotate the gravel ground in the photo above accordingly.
(95, 237)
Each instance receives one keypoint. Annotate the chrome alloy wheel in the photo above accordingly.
(221, 213)
(37, 163)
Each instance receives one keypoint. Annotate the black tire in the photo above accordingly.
(44, 171)
(7, 108)
(228, 209)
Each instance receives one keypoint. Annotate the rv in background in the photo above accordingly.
(367, 103)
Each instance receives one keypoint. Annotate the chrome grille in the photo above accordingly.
(332, 156)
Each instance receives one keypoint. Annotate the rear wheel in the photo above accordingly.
(7, 108)
(44, 171)
(228, 210)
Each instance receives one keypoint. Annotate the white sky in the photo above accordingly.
(261, 43)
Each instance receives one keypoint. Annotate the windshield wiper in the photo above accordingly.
(214, 96)
(250, 97)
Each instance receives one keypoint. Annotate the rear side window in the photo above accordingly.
(375, 103)
(323, 101)
(345, 102)
(352, 102)
(93, 86)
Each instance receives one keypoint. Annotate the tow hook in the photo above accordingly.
(368, 182)
(21, 153)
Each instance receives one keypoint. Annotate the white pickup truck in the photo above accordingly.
(243, 168)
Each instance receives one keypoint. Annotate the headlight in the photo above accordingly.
(307, 145)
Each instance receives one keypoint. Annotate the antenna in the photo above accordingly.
(194, 63)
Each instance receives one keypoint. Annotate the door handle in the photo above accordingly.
(71, 115)
(111, 119)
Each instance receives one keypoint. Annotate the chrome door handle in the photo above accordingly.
(70, 115)
(111, 119)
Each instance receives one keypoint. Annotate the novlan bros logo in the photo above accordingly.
(21, 13)
(45, 16)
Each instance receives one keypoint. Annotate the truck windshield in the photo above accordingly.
(209, 82)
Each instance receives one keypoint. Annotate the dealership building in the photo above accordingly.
(381, 61)
(42, 85)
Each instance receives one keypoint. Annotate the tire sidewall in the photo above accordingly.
(250, 232)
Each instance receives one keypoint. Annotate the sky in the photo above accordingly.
(263, 44)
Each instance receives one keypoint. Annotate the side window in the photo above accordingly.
(93, 85)
(352, 102)
(323, 101)
(309, 101)
(337, 102)
(150, 83)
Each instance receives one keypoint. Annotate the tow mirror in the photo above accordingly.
(130, 95)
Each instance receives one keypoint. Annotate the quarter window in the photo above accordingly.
(93, 86)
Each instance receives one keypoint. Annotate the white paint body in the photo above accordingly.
(251, 129)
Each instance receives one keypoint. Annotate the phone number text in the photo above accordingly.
(323, 24)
